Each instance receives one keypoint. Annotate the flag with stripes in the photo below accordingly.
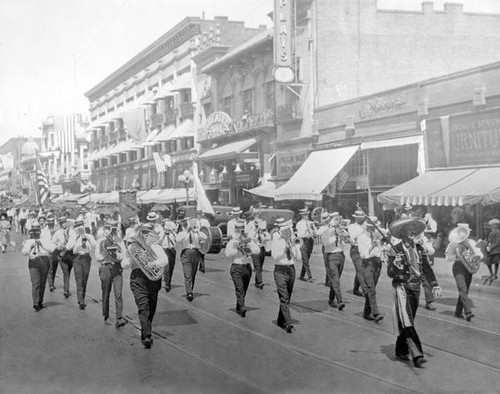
(66, 127)
(343, 177)
(42, 183)
(159, 163)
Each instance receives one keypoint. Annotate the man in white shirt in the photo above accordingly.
(201, 222)
(305, 231)
(168, 245)
(370, 251)
(83, 249)
(355, 230)
(64, 239)
(285, 252)
(257, 230)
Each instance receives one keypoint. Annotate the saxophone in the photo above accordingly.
(468, 257)
(109, 249)
(140, 251)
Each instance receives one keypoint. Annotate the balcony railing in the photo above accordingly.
(122, 135)
(104, 140)
(289, 112)
(170, 116)
(187, 110)
(113, 137)
(156, 120)
(256, 121)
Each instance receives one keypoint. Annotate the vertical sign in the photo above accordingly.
(283, 35)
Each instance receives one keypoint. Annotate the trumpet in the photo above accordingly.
(243, 247)
(35, 247)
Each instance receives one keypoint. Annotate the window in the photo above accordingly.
(247, 101)
(189, 142)
(52, 140)
(111, 126)
(270, 95)
(133, 155)
(357, 165)
(227, 105)
(186, 95)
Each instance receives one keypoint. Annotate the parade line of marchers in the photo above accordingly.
(150, 249)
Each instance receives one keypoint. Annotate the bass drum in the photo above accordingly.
(213, 244)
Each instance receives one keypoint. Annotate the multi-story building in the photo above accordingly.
(348, 51)
(145, 112)
(240, 124)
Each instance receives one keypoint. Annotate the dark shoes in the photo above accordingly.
(243, 312)
(418, 362)
(147, 342)
(289, 328)
(259, 285)
(202, 269)
(190, 297)
(67, 294)
(107, 321)
(402, 357)
(120, 322)
(167, 288)
(430, 307)
(82, 306)
(333, 304)
(469, 316)
(303, 279)
(36, 308)
(52, 288)
(375, 318)
(310, 280)
(341, 306)
(368, 317)
(358, 293)
(459, 315)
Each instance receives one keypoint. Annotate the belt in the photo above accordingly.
(240, 263)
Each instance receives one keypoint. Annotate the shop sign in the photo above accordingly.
(463, 140)
(290, 162)
(243, 178)
(183, 157)
(378, 106)
(283, 33)
(217, 123)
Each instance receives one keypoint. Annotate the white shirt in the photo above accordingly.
(64, 238)
(44, 247)
(169, 238)
(237, 257)
(304, 228)
(278, 251)
(365, 245)
(329, 239)
(230, 228)
(190, 240)
(355, 230)
(89, 244)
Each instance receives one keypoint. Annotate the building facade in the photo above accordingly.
(144, 115)
(13, 179)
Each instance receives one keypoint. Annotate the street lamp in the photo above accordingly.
(186, 180)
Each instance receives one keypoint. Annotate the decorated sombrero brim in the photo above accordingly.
(417, 226)
(458, 234)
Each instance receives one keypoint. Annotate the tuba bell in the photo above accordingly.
(468, 257)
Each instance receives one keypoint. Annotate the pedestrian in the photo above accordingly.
(144, 286)
(38, 249)
(334, 256)
(407, 265)
(370, 251)
(4, 232)
(285, 251)
(355, 230)
(83, 250)
(239, 249)
(169, 245)
(188, 241)
(256, 229)
(23, 218)
(109, 253)
(493, 248)
(306, 231)
(64, 239)
(465, 256)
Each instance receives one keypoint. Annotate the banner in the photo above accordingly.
(134, 121)
(202, 201)
(127, 204)
(283, 44)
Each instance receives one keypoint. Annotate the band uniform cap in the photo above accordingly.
(111, 224)
(459, 234)
(335, 214)
(35, 227)
(239, 225)
(304, 211)
(131, 220)
(493, 221)
(152, 216)
(416, 224)
(464, 225)
(62, 219)
(373, 221)
(198, 210)
(344, 223)
(236, 211)
(78, 223)
(359, 214)
(281, 222)
(51, 219)
(42, 218)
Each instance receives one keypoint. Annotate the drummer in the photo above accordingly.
(201, 222)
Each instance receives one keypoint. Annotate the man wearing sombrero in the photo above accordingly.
(407, 263)
(463, 252)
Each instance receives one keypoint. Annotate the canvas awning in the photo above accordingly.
(416, 139)
(448, 188)
(229, 151)
(165, 196)
(315, 174)
(185, 129)
(164, 135)
(268, 190)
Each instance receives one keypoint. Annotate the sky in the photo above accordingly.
(53, 51)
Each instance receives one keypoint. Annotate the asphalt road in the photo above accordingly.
(205, 347)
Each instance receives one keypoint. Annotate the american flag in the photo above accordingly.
(342, 179)
(42, 184)
(66, 127)
(159, 163)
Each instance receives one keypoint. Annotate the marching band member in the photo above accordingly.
(109, 253)
(235, 213)
(355, 230)
(306, 231)
(240, 250)
(168, 245)
(84, 246)
(335, 259)
(325, 219)
(54, 257)
(493, 248)
(201, 222)
(429, 251)
(464, 254)
(285, 252)
(38, 249)
(189, 243)
(257, 230)
(407, 263)
(145, 288)
(370, 252)
(154, 219)
(64, 239)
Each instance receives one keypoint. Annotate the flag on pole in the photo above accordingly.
(202, 201)
(343, 177)
(65, 127)
(159, 163)
(42, 184)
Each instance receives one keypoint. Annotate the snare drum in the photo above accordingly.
(213, 243)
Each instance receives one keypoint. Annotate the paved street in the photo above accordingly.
(205, 347)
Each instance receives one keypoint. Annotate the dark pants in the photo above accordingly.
(359, 280)
(22, 223)
(335, 266)
(429, 297)
(463, 279)
(325, 262)
(408, 340)
(371, 272)
(258, 263)
(54, 263)
(202, 262)
(189, 260)
(81, 265)
(111, 276)
(241, 275)
(39, 270)
(169, 270)
(146, 297)
(305, 251)
(284, 277)
(66, 263)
